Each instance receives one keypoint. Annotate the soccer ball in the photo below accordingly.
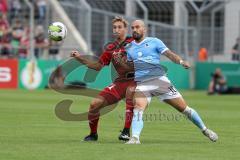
(57, 31)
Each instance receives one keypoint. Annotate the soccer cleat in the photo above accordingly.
(91, 137)
(133, 140)
(125, 135)
(210, 134)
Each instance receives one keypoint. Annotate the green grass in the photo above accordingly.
(30, 130)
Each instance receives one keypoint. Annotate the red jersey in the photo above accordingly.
(112, 53)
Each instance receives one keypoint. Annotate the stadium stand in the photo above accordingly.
(14, 26)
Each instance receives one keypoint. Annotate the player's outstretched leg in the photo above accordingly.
(125, 133)
(193, 116)
(137, 126)
(93, 117)
(196, 119)
(137, 121)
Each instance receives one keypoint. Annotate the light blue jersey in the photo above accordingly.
(146, 58)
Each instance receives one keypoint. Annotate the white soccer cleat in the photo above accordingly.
(133, 140)
(210, 134)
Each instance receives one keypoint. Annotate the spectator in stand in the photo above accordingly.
(17, 34)
(4, 7)
(236, 51)
(4, 23)
(4, 37)
(5, 46)
(15, 9)
(54, 49)
(41, 7)
(24, 44)
(41, 43)
(203, 54)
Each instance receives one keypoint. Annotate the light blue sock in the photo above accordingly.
(137, 123)
(194, 117)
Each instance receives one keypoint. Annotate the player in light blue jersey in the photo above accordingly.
(145, 54)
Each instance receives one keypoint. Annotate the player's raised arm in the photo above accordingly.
(176, 58)
(96, 65)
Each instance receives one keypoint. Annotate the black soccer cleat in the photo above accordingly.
(91, 137)
(125, 135)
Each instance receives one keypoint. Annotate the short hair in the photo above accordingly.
(120, 19)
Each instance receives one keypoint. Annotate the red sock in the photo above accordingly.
(128, 113)
(93, 118)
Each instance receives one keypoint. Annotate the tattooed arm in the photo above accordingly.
(96, 65)
(176, 58)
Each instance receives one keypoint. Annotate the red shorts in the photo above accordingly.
(116, 91)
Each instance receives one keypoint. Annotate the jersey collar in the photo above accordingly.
(140, 42)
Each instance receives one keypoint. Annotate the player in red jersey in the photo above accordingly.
(122, 87)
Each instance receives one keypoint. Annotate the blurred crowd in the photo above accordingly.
(15, 31)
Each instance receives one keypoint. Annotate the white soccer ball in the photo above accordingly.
(57, 31)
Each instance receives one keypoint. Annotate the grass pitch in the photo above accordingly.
(29, 129)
